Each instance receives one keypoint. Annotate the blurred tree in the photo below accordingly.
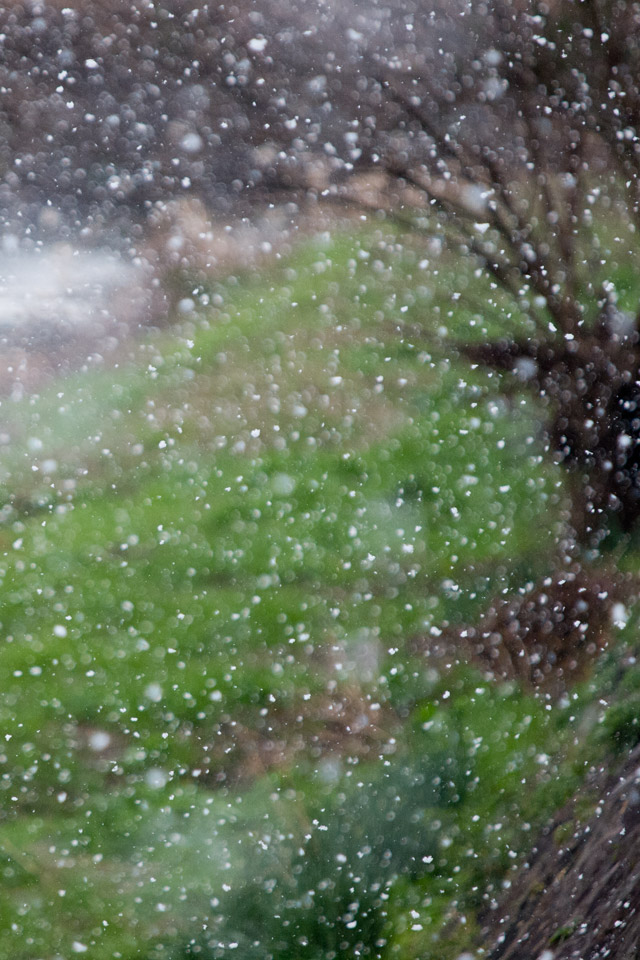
(518, 141)
(509, 128)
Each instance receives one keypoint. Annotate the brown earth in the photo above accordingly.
(578, 895)
(547, 637)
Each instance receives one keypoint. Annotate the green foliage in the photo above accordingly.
(197, 568)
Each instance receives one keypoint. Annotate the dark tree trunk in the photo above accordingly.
(590, 384)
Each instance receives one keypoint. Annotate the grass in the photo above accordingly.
(213, 563)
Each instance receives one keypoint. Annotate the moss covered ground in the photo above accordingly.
(217, 738)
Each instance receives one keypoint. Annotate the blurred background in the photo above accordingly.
(318, 478)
